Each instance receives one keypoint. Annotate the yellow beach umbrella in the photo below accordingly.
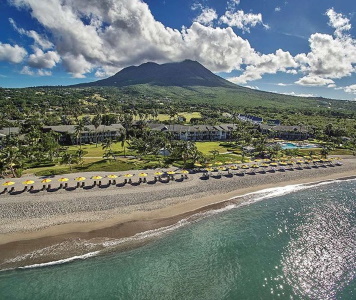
(128, 175)
(46, 180)
(229, 162)
(299, 162)
(185, 172)
(209, 165)
(81, 178)
(233, 167)
(63, 179)
(7, 183)
(255, 166)
(28, 182)
(112, 176)
(273, 164)
(282, 163)
(257, 160)
(238, 162)
(158, 173)
(142, 174)
(245, 167)
(265, 165)
(171, 172)
(96, 177)
(198, 165)
(209, 169)
(221, 168)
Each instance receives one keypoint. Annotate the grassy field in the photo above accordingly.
(206, 147)
(94, 151)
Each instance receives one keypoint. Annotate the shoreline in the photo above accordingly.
(171, 203)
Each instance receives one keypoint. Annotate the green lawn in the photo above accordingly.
(206, 147)
(93, 151)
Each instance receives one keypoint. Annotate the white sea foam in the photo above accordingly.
(62, 261)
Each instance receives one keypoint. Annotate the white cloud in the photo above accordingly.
(207, 17)
(241, 20)
(351, 89)
(277, 9)
(42, 60)
(39, 40)
(299, 95)
(338, 21)
(332, 85)
(266, 64)
(106, 36)
(44, 73)
(252, 87)
(330, 56)
(313, 80)
(232, 4)
(27, 71)
(14, 54)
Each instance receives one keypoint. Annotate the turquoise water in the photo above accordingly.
(294, 146)
(299, 245)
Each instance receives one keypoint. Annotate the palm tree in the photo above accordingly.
(96, 122)
(78, 129)
(122, 139)
(67, 159)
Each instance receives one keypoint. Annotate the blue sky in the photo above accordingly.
(304, 47)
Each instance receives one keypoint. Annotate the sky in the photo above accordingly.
(302, 48)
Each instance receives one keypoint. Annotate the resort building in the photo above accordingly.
(90, 134)
(196, 132)
(249, 118)
(285, 132)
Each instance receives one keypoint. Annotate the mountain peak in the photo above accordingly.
(184, 73)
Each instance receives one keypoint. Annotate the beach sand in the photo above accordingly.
(46, 226)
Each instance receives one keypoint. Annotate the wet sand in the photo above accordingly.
(56, 224)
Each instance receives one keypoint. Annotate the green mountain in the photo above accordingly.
(183, 74)
(190, 81)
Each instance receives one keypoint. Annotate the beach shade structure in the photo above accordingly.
(258, 160)
(209, 169)
(112, 176)
(8, 183)
(218, 163)
(128, 176)
(184, 173)
(61, 180)
(171, 174)
(282, 163)
(245, 167)
(27, 183)
(221, 168)
(80, 179)
(198, 165)
(238, 162)
(229, 162)
(208, 165)
(46, 180)
(159, 173)
(273, 164)
(97, 177)
(299, 162)
(142, 177)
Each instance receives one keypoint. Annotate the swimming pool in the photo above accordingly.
(295, 146)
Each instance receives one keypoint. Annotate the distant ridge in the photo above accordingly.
(183, 74)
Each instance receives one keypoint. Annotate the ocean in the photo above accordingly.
(297, 242)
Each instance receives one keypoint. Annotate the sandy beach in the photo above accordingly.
(36, 221)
